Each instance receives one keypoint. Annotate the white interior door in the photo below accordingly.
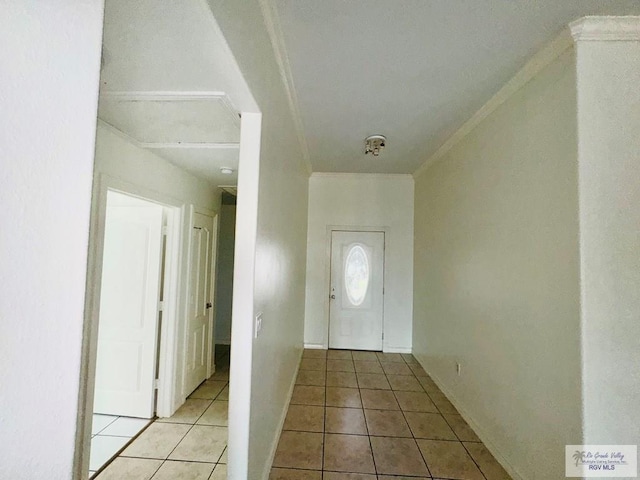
(131, 269)
(356, 293)
(198, 339)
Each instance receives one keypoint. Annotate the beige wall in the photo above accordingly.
(497, 275)
(280, 252)
(609, 171)
(348, 200)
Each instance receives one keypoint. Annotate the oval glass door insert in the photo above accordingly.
(356, 275)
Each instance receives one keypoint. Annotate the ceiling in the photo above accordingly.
(170, 84)
(413, 70)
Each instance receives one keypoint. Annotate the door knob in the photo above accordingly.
(209, 305)
(332, 297)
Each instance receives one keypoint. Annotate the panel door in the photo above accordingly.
(127, 337)
(198, 347)
(356, 292)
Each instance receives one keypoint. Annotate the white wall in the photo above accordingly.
(224, 274)
(609, 149)
(280, 251)
(124, 161)
(50, 60)
(497, 275)
(348, 200)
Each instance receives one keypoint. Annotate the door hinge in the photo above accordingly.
(161, 306)
(156, 384)
(164, 230)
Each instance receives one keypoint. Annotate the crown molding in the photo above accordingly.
(167, 96)
(361, 176)
(535, 65)
(119, 133)
(606, 29)
(271, 20)
(190, 145)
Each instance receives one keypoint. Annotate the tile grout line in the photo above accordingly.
(182, 461)
(415, 375)
(107, 425)
(119, 454)
(424, 460)
(449, 425)
(366, 423)
(189, 430)
(324, 424)
(157, 470)
(471, 456)
(227, 445)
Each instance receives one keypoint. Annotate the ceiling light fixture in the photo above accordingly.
(374, 144)
(226, 170)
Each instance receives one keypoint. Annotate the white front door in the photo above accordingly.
(356, 291)
(131, 268)
(198, 338)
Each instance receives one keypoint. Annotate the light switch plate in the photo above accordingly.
(258, 325)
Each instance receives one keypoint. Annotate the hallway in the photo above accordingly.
(189, 445)
(358, 415)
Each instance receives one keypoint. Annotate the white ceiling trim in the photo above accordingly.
(272, 22)
(184, 145)
(158, 146)
(118, 132)
(177, 96)
(606, 29)
(360, 175)
(163, 95)
(232, 189)
(536, 64)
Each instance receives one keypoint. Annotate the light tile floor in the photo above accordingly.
(374, 416)
(189, 445)
(108, 435)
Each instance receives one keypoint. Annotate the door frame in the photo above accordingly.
(172, 299)
(211, 365)
(327, 272)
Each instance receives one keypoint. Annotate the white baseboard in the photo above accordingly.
(283, 416)
(396, 350)
(515, 475)
(385, 349)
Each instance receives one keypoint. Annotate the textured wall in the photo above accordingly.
(367, 201)
(609, 149)
(50, 60)
(497, 274)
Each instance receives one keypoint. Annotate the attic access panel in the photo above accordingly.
(172, 119)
